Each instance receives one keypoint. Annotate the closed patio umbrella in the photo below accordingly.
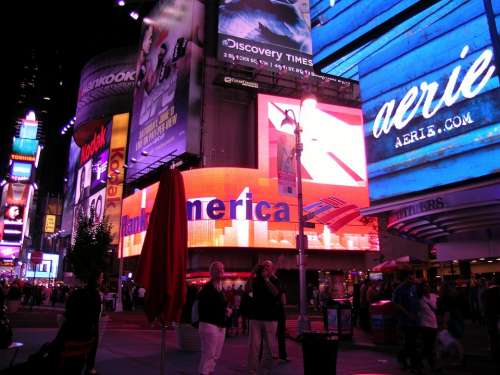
(163, 260)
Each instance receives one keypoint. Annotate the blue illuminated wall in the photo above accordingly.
(425, 126)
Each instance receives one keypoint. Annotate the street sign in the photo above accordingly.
(36, 257)
(308, 224)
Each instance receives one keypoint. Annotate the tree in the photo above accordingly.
(89, 253)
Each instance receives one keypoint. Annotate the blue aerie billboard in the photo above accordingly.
(431, 104)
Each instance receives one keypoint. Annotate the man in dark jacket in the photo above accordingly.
(265, 320)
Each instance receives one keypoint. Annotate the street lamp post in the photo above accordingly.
(303, 323)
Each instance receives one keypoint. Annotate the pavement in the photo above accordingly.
(130, 345)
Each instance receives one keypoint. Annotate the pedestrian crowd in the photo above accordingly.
(431, 317)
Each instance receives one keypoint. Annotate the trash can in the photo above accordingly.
(345, 319)
(338, 319)
(384, 322)
(320, 353)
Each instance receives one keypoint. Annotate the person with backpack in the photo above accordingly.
(213, 312)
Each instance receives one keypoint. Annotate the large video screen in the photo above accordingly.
(15, 203)
(25, 146)
(21, 171)
(430, 104)
(274, 35)
(239, 207)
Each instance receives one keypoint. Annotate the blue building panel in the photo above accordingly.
(430, 103)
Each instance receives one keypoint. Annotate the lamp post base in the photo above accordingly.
(303, 324)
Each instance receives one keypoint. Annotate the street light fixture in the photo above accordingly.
(308, 103)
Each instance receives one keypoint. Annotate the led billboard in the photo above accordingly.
(166, 107)
(21, 171)
(96, 173)
(430, 104)
(116, 162)
(25, 146)
(47, 269)
(9, 252)
(266, 34)
(238, 207)
(16, 199)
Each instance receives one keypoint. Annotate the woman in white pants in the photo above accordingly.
(213, 311)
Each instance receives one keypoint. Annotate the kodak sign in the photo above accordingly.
(115, 183)
(97, 143)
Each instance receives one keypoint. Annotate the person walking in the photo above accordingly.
(263, 326)
(428, 322)
(406, 300)
(213, 311)
(281, 302)
(453, 321)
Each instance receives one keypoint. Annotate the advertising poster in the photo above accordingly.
(274, 35)
(88, 168)
(287, 176)
(70, 186)
(83, 181)
(106, 85)
(114, 194)
(242, 207)
(99, 174)
(165, 95)
(97, 202)
(16, 199)
(430, 104)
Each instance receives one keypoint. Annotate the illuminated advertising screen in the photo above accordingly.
(99, 171)
(70, 186)
(96, 203)
(165, 116)
(21, 171)
(430, 104)
(47, 269)
(266, 34)
(16, 198)
(114, 193)
(106, 85)
(28, 130)
(340, 23)
(9, 252)
(24, 146)
(83, 181)
(238, 207)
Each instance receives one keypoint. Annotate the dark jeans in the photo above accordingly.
(429, 343)
(409, 350)
(280, 333)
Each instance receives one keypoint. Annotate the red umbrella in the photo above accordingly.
(163, 261)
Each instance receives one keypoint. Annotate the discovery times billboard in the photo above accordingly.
(430, 103)
(266, 34)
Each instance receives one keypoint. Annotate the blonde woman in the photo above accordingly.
(213, 312)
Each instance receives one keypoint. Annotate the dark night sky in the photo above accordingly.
(71, 32)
